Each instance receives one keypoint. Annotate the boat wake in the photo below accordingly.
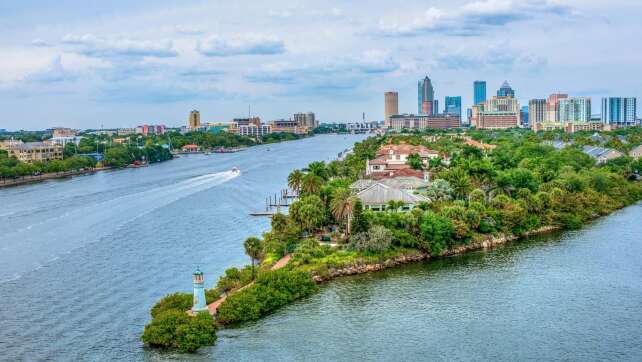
(44, 242)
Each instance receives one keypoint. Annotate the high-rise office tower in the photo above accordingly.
(619, 110)
(505, 90)
(452, 105)
(523, 116)
(391, 105)
(552, 107)
(479, 91)
(425, 96)
(194, 120)
(574, 109)
(536, 111)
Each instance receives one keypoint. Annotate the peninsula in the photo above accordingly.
(408, 197)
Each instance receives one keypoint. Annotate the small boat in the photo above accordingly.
(235, 170)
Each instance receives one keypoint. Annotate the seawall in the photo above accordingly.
(410, 257)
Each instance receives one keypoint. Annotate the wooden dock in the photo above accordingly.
(279, 201)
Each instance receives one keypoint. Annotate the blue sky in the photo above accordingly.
(121, 63)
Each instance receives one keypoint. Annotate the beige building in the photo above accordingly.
(63, 132)
(536, 111)
(496, 113)
(288, 126)
(194, 120)
(391, 100)
(30, 152)
(306, 119)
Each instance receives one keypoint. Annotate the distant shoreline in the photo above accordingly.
(25, 180)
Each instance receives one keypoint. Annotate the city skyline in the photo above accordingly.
(152, 62)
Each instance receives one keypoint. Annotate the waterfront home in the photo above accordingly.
(636, 152)
(392, 157)
(600, 154)
(407, 183)
(377, 196)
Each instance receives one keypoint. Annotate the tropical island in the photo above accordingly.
(408, 197)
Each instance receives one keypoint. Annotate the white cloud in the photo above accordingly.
(470, 19)
(217, 46)
(53, 73)
(93, 46)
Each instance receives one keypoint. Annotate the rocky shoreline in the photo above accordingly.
(416, 256)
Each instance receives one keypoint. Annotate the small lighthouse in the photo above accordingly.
(199, 291)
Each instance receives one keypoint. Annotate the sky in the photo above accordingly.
(119, 63)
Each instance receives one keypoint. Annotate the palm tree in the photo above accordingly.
(460, 182)
(311, 183)
(253, 249)
(318, 168)
(294, 180)
(341, 206)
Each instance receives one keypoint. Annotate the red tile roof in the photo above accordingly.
(404, 149)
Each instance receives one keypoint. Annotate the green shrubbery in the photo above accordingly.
(176, 301)
(272, 290)
(171, 327)
(514, 189)
(175, 329)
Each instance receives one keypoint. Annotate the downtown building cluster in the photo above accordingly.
(428, 115)
(503, 110)
(301, 123)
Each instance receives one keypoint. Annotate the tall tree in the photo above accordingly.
(308, 212)
(459, 181)
(253, 249)
(295, 179)
(311, 184)
(359, 222)
(318, 168)
(341, 206)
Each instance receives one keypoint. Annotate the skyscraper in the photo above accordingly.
(391, 104)
(194, 120)
(536, 111)
(523, 116)
(505, 90)
(552, 107)
(619, 110)
(479, 91)
(425, 96)
(452, 105)
(574, 109)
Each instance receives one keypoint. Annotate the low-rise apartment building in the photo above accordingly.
(30, 152)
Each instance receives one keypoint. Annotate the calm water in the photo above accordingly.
(83, 260)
